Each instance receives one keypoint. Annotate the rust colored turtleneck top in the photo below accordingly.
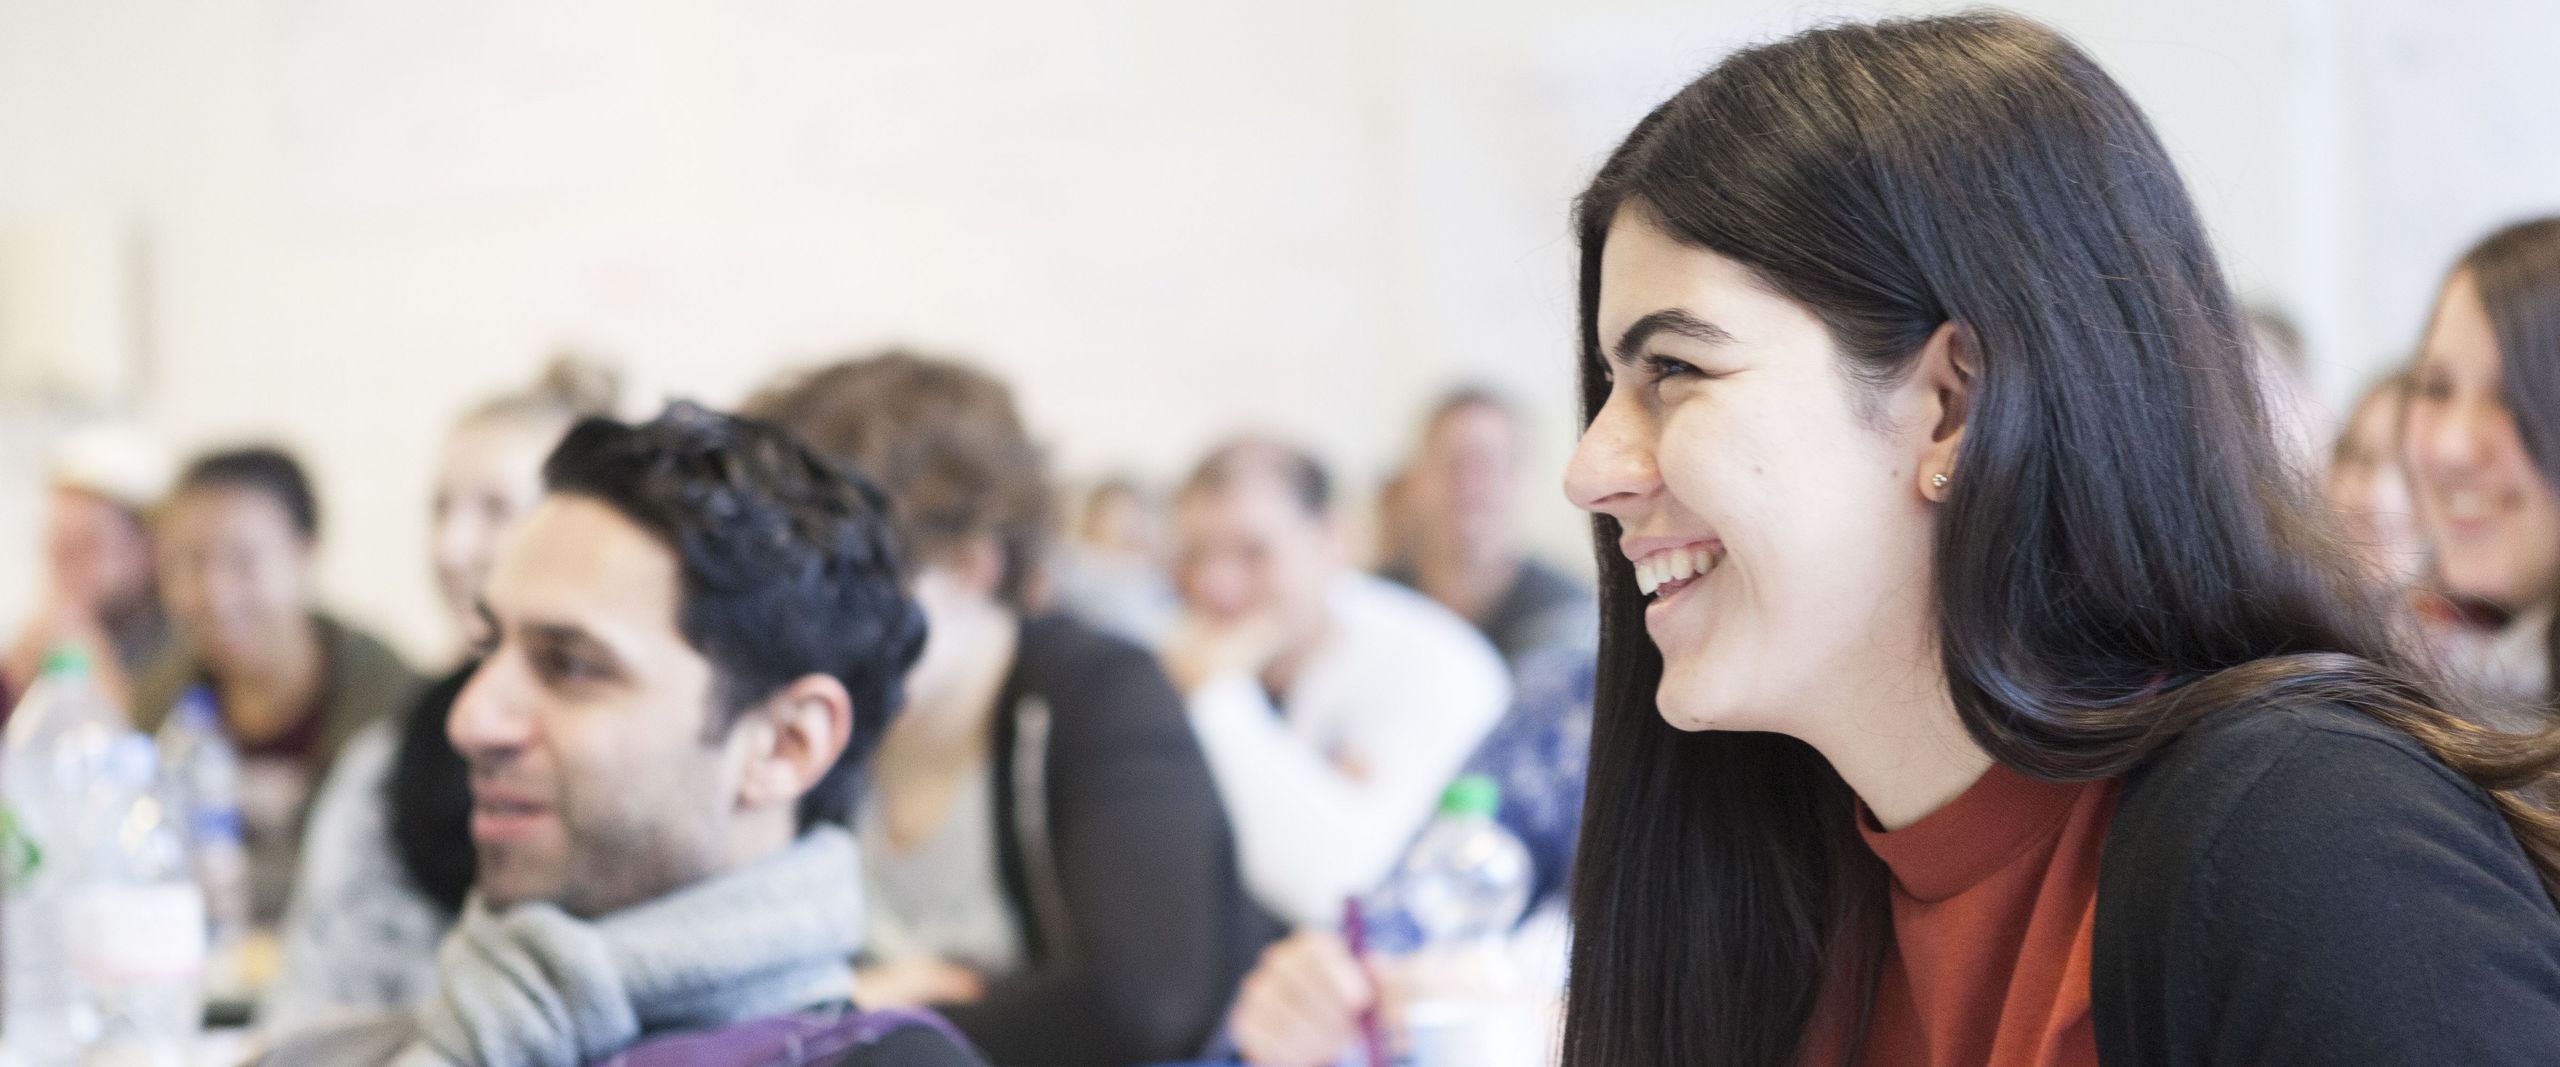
(1994, 898)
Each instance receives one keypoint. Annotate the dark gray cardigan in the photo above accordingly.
(2303, 885)
(1117, 863)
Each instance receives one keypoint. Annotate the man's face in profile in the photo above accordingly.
(596, 781)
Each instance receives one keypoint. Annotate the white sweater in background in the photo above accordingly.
(1327, 789)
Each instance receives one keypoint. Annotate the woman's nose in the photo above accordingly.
(1613, 467)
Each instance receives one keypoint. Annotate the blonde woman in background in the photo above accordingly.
(388, 857)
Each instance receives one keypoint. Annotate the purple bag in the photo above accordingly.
(798, 1040)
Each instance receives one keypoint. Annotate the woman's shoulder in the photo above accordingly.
(2278, 827)
(1089, 683)
(1060, 655)
(366, 678)
(2283, 774)
(2272, 736)
(2303, 882)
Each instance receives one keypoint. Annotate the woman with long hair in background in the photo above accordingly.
(1978, 683)
(2481, 437)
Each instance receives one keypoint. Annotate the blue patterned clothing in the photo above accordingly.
(1539, 753)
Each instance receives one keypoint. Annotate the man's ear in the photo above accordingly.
(805, 727)
(1941, 387)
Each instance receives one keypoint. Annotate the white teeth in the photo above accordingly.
(1672, 565)
(1680, 566)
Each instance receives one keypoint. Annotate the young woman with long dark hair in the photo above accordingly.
(1978, 683)
(2482, 442)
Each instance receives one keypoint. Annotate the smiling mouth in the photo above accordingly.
(1661, 574)
(498, 815)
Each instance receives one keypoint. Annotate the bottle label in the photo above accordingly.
(137, 933)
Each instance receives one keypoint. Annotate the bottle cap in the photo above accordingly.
(1472, 794)
(65, 659)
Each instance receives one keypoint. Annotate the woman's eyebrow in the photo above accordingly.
(1668, 320)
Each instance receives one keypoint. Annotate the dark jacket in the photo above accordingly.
(2303, 885)
(1117, 864)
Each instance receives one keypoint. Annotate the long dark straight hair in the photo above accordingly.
(2124, 550)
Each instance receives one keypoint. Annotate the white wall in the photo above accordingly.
(1161, 219)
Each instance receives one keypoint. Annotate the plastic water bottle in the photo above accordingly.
(136, 920)
(1465, 883)
(56, 748)
(203, 778)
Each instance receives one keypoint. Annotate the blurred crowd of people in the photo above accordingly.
(833, 702)
(1130, 753)
(1092, 788)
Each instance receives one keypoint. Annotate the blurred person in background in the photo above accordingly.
(2369, 487)
(2300, 422)
(1302, 1004)
(1111, 573)
(698, 640)
(1044, 853)
(1453, 508)
(1395, 528)
(2482, 441)
(1333, 705)
(387, 858)
(101, 578)
(292, 682)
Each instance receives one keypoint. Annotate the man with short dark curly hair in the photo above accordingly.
(700, 636)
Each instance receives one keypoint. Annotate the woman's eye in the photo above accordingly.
(1665, 368)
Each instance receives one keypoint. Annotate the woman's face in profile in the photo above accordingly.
(1774, 525)
(489, 478)
(2489, 513)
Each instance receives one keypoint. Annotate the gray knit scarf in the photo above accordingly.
(534, 987)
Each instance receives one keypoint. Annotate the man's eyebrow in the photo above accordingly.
(1668, 320)
(571, 634)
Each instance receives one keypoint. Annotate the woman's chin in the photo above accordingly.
(1685, 705)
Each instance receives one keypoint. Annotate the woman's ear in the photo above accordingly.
(798, 735)
(1944, 380)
